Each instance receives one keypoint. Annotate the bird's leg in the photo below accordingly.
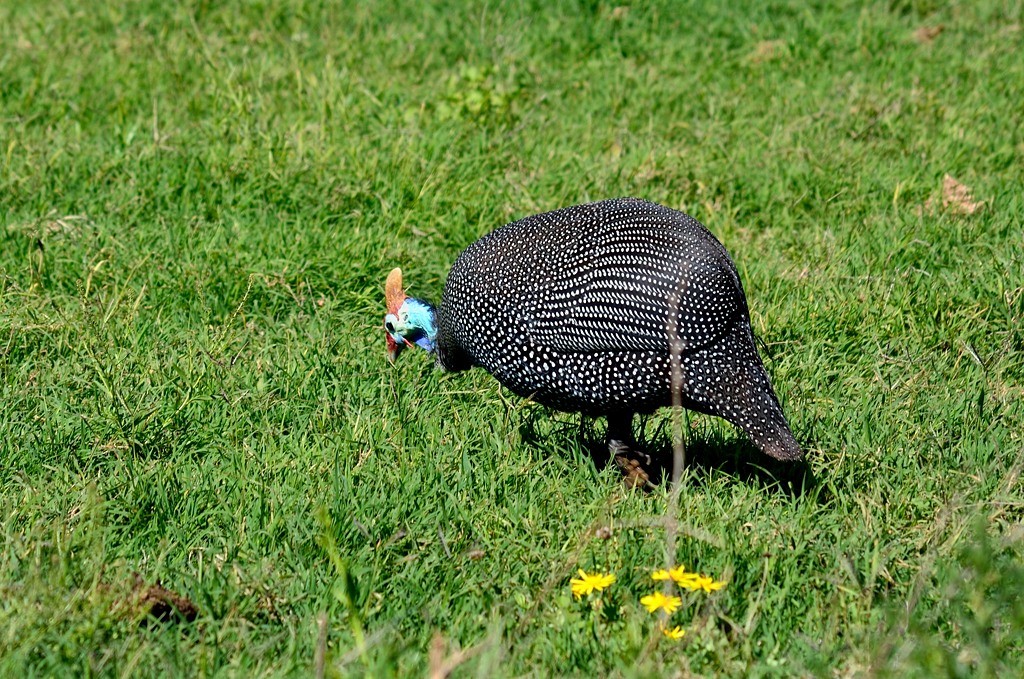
(623, 451)
(620, 432)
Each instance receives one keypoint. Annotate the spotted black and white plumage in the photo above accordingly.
(572, 308)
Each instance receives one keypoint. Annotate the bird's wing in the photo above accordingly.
(632, 280)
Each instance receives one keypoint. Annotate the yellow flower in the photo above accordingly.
(680, 576)
(677, 575)
(658, 600)
(586, 584)
(706, 583)
(675, 634)
(691, 583)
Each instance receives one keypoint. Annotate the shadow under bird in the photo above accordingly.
(578, 309)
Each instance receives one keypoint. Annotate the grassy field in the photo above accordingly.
(199, 202)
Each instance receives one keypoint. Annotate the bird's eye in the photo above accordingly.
(389, 326)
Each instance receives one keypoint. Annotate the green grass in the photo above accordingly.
(199, 205)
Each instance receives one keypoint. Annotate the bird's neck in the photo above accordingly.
(422, 315)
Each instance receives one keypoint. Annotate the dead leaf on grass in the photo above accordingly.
(768, 50)
(156, 601)
(926, 34)
(956, 199)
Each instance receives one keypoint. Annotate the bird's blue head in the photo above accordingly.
(409, 320)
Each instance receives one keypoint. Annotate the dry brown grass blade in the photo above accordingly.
(441, 666)
(320, 662)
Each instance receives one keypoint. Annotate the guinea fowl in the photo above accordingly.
(573, 309)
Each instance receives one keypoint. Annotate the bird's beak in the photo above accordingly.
(394, 348)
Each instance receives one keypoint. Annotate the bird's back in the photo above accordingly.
(601, 277)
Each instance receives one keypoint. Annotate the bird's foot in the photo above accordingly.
(634, 464)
